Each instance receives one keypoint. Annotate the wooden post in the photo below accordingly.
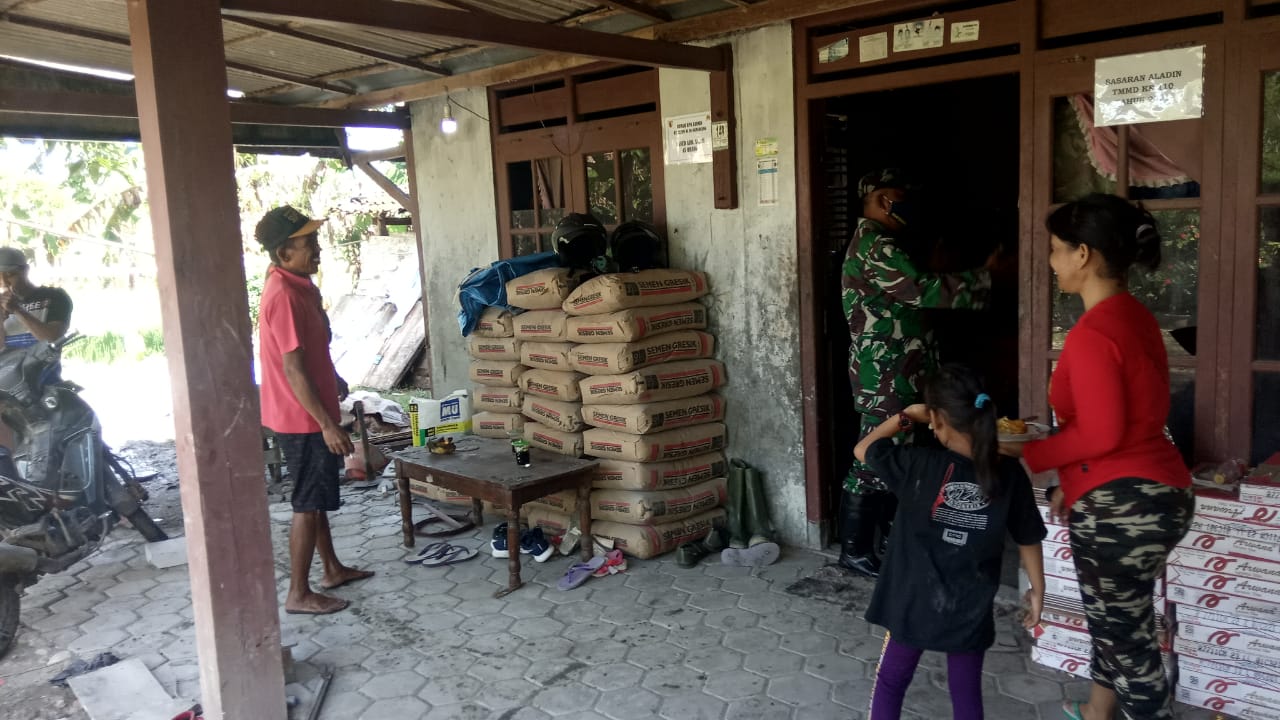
(185, 121)
(724, 163)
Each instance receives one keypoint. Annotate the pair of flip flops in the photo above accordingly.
(609, 563)
(442, 553)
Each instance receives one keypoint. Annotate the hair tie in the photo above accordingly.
(1143, 229)
(982, 400)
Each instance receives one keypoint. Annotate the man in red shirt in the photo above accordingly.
(300, 389)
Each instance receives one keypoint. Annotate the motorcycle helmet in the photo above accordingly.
(636, 246)
(578, 239)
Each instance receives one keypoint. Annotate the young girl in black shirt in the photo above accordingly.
(955, 503)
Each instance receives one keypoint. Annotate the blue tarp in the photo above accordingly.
(487, 287)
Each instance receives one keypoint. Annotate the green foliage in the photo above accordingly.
(105, 348)
(152, 342)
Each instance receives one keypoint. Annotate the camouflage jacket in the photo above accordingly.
(884, 296)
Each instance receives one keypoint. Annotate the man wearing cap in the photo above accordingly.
(892, 351)
(32, 313)
(300, 390)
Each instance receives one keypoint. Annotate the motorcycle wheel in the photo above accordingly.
(9, 602)
(143, 523)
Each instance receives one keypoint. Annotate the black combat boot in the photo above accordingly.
(858, 533)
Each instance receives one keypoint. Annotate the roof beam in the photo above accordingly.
(639, 8)
(341, 45)
(104, 37)
(421, 19)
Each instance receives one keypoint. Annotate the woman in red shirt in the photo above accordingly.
(1125, 492)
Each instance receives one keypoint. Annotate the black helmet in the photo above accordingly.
(636, 246)
(578, 239)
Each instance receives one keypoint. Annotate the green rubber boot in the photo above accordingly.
(737, 496)
(691, 553)
(757, 510)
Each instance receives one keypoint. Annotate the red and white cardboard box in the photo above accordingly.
(1218, 703)
(1058, 534)
(1227, 506)
(1063, 640)
(1260, 488)
(1073, 664)
(1227, 655)
(1060, 568)
(1064, 619)
(1224, 621)
(1239, 672)
(1234, 546)
(1222, 602)
(1214, 562)
(1056, 550)
(1224, 582)
(1246, 530)
(1044, 515)
(1068, 588)
(1192, 678)
(1233, 639)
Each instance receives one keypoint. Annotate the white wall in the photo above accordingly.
(458, 213)
(749, 255)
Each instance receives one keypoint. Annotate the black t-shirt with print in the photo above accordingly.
(46, 304)
(942, 569)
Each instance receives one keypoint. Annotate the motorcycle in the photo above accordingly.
(62, 490)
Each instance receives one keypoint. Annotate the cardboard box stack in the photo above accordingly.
(1224, 583)
(1062, 639)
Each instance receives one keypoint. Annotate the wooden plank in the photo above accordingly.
(534, 107)
(186, 141)
(406, 17)
(724, 163)
(639, 8)
(396, 355)
(384, 182)
(1060, 18)
(617, 92)
(415, 213)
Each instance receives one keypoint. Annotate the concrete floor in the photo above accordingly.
(658, 641)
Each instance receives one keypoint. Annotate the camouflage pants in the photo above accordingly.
(1121, 535)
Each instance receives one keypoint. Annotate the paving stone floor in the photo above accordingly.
(658, 641)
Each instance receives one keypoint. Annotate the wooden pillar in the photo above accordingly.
(415, 216)
(185, 121)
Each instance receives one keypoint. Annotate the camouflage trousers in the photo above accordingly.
(1121, 536)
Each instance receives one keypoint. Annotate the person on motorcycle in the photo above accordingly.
(300, 391)
(32, 313)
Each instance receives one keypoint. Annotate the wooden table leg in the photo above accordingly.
(406, 504)
(584, 520)
(513, 550)
(477, 512)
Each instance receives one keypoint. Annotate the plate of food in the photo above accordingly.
(1014, 430)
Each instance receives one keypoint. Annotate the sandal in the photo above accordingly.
(579, 572)
(449, 555)
(425, 552)
(614, 563)
(1072, 711)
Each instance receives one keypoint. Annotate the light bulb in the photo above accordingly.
(448, 125)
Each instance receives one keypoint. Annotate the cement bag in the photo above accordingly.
(502, 426)
(624, 475)
(495, 323)
(653, 417)
(562, 416)
(541, 325)
(621, 291)
(552, 385)
(649, 508)
(496, 372)
(632, 325)
(554, 524)
(503, 349)
(669, 445)
(546, 356)
(614, 358)
(541, 289)
(564, 502)
(552, 440)
(432, 491)
(646, 541)
(497, 399)
(668, 381)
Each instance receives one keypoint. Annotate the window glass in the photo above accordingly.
(1075, 165)
(524, 244)
(1182, 411)
(602, 186)
(1266, 416)
(550, 186)
(1269, 182)
(520, 189)
(1267, 333)
(637, 185)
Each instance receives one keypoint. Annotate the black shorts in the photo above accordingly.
(313, 469)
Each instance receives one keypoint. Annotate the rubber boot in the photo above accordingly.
(758, 523)
(858, 534)
(691, 553)
(737, 492)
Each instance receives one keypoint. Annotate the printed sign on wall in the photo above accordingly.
(1149, 87)
(689, 139)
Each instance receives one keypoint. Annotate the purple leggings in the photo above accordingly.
(897, 667)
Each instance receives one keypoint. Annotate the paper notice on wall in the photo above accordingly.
(766, 147)
(918, 35)
(837, 50)
(720, 135)
(873, 47)
(963, 32)
(767, 178)
(689, 139)
(1149, 87)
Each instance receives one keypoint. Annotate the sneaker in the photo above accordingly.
(534, 543)
(498, 545)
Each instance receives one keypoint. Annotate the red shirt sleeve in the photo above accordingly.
(1097, 421)
(280, 318)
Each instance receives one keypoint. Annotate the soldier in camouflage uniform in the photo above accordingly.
(884, 296)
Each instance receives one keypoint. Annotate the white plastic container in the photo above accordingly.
(450, 416)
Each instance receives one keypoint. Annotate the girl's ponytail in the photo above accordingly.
(986, 452)
(956, 392)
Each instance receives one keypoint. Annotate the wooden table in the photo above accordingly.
(485, 469)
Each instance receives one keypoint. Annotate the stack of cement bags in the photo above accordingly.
(648, 398)
(496, 370)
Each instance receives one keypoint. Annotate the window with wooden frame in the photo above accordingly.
(589, 141)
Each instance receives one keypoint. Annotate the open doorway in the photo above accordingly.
(959, 142)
